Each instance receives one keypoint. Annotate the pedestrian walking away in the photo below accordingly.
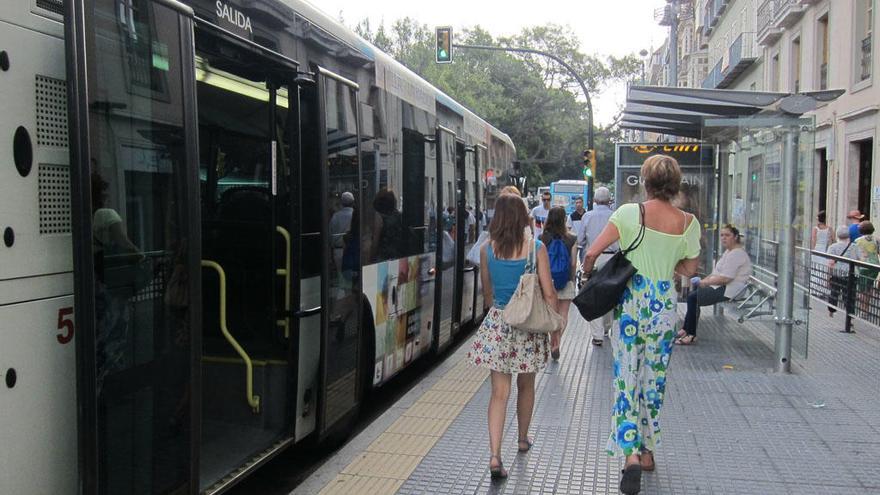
(868, 251)
(646, 315)
(821, 239)
(562, 252)
(839, 270)
(505, 350)
(576, 220)
(729, 278)
(594, 222)
(854, 217)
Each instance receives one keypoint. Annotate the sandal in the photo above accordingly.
(598, 342)
(681, 333)
(555, 355)
(686, 340)
(631, 479)
(528, 444)
(497, 472)
(647, 466)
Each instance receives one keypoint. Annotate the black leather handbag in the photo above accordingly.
(602, 291)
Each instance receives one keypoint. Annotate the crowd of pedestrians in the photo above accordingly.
(548, 242)
(644, 325)
(830, 274)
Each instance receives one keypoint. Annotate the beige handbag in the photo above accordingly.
(527, 310)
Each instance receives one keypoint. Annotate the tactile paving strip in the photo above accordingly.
(392, 457)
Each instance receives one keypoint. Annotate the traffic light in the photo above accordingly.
(589, 174)
(590, 161)
(444, 45)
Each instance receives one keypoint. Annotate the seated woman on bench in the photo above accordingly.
(728, 279)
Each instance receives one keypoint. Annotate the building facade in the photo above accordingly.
(792, 46)
(813, 45)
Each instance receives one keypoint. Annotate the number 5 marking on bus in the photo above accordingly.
(65, 323)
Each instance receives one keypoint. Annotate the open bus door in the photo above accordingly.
(445, 271)
(480, 214)
(134, 161)
(335, 247)
(463, 311)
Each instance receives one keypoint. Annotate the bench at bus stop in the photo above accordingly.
(756, 299)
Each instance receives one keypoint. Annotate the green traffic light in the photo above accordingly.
(588, 172)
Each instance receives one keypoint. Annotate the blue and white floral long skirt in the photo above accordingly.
(641, 342)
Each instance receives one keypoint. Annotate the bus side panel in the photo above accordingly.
(35, 197)
(38, 413)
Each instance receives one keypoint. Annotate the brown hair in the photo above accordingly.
(662, 177)
(555, 224)
(866, 228)
(508, 225)
(733, 230)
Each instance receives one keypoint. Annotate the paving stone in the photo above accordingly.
(745, 430)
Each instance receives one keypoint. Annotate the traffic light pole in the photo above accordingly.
(574, 74)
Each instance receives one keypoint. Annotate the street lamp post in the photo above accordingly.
(590, 136)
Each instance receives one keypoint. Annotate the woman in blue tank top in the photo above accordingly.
(498, 346)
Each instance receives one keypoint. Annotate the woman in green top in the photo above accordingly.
(646, 317)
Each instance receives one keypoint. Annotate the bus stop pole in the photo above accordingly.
(785, 282)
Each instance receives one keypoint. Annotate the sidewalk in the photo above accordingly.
(730, 424)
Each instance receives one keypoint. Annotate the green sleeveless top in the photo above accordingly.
(659, 252)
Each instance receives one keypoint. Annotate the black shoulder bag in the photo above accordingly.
(602, 291)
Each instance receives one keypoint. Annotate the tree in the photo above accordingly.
(531, 98)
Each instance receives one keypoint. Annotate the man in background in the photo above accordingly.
(854, 217)
(592, 224)
(539, 214)
(576, 219)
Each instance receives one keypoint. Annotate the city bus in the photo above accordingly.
(220, 232)
(564, 192)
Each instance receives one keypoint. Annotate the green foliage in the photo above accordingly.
(532, 98)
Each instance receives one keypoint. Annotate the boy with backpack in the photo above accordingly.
(562, 251)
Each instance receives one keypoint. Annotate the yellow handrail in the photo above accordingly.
(285, 272)
(253, 400)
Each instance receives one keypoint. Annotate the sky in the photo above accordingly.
(605, 27)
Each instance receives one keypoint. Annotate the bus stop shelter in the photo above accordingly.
(764, 181)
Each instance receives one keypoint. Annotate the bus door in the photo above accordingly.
(329, 211)
(481, 224)
(134, 165)
(446, 250)
(463, 312)
(246, 119)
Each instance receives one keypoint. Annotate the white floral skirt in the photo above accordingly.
(504, 349)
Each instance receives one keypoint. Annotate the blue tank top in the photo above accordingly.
(505, 275)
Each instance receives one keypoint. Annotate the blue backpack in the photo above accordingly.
(560, 262)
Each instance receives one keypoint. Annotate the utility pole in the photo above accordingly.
(574, 74)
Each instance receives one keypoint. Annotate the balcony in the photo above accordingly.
(788, 12)
(776, 15)
(768, 32)
(741, 54)
(708, 25)
(714, 77)
(712, 14)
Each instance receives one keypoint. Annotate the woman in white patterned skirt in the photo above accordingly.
(505, 350)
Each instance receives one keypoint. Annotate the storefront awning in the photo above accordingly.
(683, 111)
